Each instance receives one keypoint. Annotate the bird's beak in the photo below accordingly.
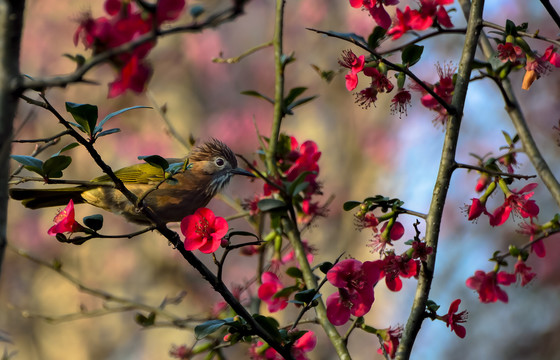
(240, 171)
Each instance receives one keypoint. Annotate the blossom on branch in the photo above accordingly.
(393, 267)
(355, 281)
(391, 338)
(270, 286)
(519, 203)
(488, 285)
(203, 231)
(454, 319)
(65, 221)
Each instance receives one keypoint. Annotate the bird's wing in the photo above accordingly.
(139, 173)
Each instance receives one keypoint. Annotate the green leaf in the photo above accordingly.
(108, 132)
(411, 54)
(84, 114)
(206, 328)
(155, 160)
(67, 147)
(113, 114)
(351, 37)
(349, 205)
(510, 28)
(30, 163)
(325, 266)
(327, 75)
(294, 187)
(307, 296)
(52, 168)
(94, 222)
(294, 272)
(374, 38)
(293, 94)
(196, 10)
(257, 95)
(300, 102)
(269, 324)
(271, 204)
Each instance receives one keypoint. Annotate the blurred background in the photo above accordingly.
(364, 153)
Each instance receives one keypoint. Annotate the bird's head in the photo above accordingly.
(215, 159)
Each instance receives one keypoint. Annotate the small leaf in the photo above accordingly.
(108, 132)
(196, 10)
(208, 327)
(113, 114)
(349, 205)
(145, 320)
(325, 266)
(29, 162)
(269, 324)
(68, 147)
(293, 94)
(94, 222)
(327, 75)
(307, 296)
(52, 168)
(155, 160)
(510, 28)
(294, 272)
(301, 102)
(84, 114)
(411, 54)
(258, 95)
(377, 35)
(271, 204)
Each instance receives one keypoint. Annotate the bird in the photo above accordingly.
(205, 171)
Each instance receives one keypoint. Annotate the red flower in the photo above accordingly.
(533, 229)
(524, 272)
(355, 295)
(355, 64)
(395, 266)
(134, 76)
(391, 338)
(379, 83)
(306, 159)
(482, 182)
(509, 52)
(487, 285)
(443, 88)
(430, 11)
(420, 250)
(65, 221)
(169, 10)
(551, 56)
(517, 201)
(203, 231)
(400, 102)
(476, 209)
(267, 291)
(454, 319)
(180, 352)
(402, 23)
(304, 344)
(376, 10)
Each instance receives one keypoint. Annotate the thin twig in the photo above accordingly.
(494, 173)
(522, 33)
(236, 59)
(421, 38)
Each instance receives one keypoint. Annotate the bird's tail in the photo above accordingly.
(40, 198)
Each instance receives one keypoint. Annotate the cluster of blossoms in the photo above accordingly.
(514, 50)
(125, 22)
(515, 201)
(296, 161)
(487, 285)
(380, 83)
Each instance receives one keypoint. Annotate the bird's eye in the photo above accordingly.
(220, 162)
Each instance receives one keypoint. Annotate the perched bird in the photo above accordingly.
(210, 168)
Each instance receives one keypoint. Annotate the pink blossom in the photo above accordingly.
(524, 272)
(509, 52)
(395, 266)
(400, 102)
(355, 64)
(454, 319)
(551, 56)
(65, 221)
(519, 203)
(203, 231)
(355, 295)
(391, 337)
(488, 285)
(267, 291)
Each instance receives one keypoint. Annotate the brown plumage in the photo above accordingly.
(211, 167)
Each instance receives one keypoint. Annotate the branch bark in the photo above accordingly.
(446, 168)
(11, 23)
